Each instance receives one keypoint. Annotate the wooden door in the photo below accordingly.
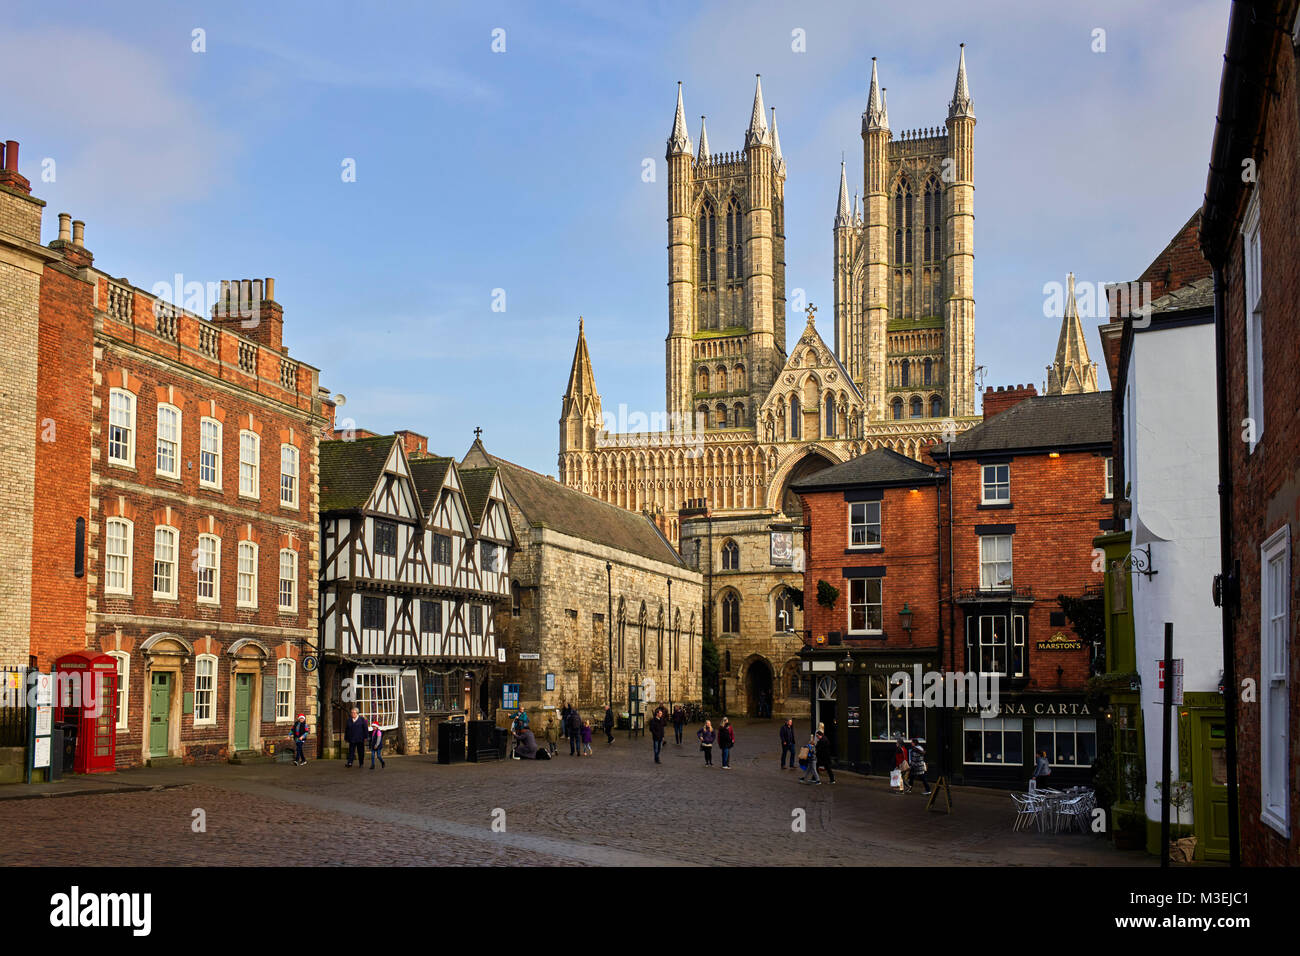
(159, 713)
(243, 709)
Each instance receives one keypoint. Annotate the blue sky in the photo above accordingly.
(522, 170)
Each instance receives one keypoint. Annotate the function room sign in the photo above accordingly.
(1060, 641)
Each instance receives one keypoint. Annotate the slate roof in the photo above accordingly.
(546, 503)
(350, 469)
(1198, 294)
(1044, 422)
(428, 473)
(881, 466)
(477, 482)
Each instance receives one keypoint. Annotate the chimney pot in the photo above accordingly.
(270, 289)
(245, 291)
(257, 290)
(65, 227)
(11, 155)
(78, 232)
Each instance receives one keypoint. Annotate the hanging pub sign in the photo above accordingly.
(1060, 642)
(782, 548)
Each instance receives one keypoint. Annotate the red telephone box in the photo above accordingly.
(95, 735)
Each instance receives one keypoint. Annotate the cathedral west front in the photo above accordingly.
(747, 418)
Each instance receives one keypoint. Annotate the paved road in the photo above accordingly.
(614, 808)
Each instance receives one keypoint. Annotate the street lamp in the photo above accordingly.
(905, 619)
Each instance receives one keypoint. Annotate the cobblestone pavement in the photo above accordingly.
(616, 807)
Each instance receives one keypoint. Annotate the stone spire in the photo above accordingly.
(704, 143)
(961, 104)
(680, 140)
(580, 416)
(842, 211)
(582, 380)
(1071, 372)
(778, 161)
(758, 134)
(876, 115)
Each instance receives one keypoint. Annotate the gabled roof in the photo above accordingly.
(349, 471)
(883, 466)
(478, 484)
(428, 474)
(544, 502)
(1041, 423)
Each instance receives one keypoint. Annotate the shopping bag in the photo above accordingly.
(803, 753)
(895, 778)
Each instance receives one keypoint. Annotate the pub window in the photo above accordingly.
(995, 562)
(864, 524)
(891, 710)
(865, 606)
(996, 485)
(1069, 741)
(441, 549)
(374, 615)
(996, 644)
(430, 617)
(386, 538)
(996, 740)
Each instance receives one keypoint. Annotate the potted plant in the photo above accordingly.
(1181, 849)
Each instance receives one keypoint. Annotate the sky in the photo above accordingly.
(499, 156)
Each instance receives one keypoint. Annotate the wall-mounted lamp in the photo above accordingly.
(1053, 454)
(905, 619)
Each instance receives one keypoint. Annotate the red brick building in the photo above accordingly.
(175, 514)
(977, 550)
(1250, 237)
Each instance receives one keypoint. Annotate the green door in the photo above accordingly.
(160, 698)
(243, 708)
(1210, 793)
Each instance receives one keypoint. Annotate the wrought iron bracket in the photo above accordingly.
(1138, 560)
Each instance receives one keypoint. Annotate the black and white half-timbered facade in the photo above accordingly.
(414, 556)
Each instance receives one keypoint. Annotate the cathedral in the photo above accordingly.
(745, 418)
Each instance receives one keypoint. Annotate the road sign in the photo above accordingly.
(1177, 682)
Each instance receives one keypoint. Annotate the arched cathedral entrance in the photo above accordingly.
(758, 688)
(807, 466)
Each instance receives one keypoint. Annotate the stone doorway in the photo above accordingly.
(758, 688)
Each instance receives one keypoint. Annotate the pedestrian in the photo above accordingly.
(356, 733)
(787, 742)
(552, 734)
(679, 722)
(1042, 769)
(657, 732)
(299, 735)
(900, 765)
(586, 738)
(376, 744)
(526, 747)
(608, 725)
(822, 753)
(726, 740)
(808, 760)
(916, 767)
(573, 730)
(706, 737)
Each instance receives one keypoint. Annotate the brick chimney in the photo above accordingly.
(9, 175)
(413, 443)
(997, 401)
(248, 308)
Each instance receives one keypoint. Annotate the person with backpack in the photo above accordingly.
(356, 734)
(916, 766)
(376, 744)
(706, 737)
(808, 762)
(787, 742)
(679, 722)
(657, 732)
(608, 725)
(726, 740)
(299, 735)
(822, 754)
(573, 730)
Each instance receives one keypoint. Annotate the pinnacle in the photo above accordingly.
(704, 153)
(680, 140)
(758, 134)
(961, 104)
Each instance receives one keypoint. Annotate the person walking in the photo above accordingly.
(822, 755)
(299, 735)
(726, 740)
(573, 730)
(679, 722)
(900, 764)
(356, 733)
(608, 725)
(1042, 769)
(552, 734)
(657, 732)
(706, 737)
(810, 754)
(586, 738)
(787, 742)
(376, 745)
(916, 767)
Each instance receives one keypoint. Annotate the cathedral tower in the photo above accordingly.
(726, 272)
(904, 273)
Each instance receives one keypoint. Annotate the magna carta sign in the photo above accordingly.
(1059, 642)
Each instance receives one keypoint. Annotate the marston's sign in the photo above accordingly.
(1059, 642)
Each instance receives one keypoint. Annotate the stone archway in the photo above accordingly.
(758, 687)
(811, 462)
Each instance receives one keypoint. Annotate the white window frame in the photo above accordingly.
(284, 695)
(1073, 727)
(377, 689)
(987, 726)
(174, 544)
(255, 464)
(127, 556)
(245, 547)
(1108, 482)
(867, 604)
(207, 426)
(1252, 270)
(129, 427)
(294, 458)
(210, 693)
(865, 524)
(123, 660)
(995, 561)
(1013, 644)
(1275, 638)
(292, 581)
(985, 483)
(199, 568)
(174, 441)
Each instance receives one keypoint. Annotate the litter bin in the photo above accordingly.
(451, 741)
(481, 742)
